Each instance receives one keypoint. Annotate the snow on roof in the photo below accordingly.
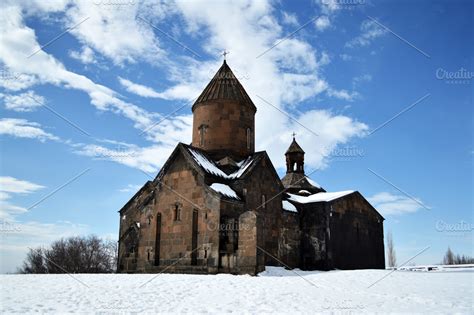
(304, 192)
(320, 197)
(224, 190)
(244, 164)
(288, 206)
(312, 182)
(211, 167)
(208, 165)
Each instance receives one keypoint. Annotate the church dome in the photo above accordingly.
(224, 118)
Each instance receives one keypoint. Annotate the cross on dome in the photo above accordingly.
(225, 53)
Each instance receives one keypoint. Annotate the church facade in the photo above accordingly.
(218, 206)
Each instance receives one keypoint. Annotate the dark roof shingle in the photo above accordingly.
(224, 85)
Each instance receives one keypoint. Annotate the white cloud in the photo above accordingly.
(115, 31)
(356, 81)
(86, 55)
(148, 158)
(345, 57)
(328, 6)
(290, 18)
(130, 188)
(390, 204)
(22, 128)
(16, 81)
(369, 32)
(19, 41)
(11, 185)
(24, 102)
(343, 94)
(138, 89)
(322, 23)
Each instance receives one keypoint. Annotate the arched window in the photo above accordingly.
(249, 138)
(264, 201)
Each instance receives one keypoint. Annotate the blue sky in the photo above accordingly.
(76, 114)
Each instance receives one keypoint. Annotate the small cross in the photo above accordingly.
(225, 53)
(294, 134)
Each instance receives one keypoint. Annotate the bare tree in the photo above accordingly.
(391, 255)
(74, 255)
(448, 257)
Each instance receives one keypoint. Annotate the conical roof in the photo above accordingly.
(225, 85)
(294, 148)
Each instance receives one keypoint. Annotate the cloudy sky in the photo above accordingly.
(95, 93)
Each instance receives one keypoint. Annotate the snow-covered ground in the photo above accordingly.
(275, 291)
(435, 268)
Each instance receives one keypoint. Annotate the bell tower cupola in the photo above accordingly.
(295, 181)
(294, 158)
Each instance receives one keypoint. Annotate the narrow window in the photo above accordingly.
(194, 238)
(157, 239)
(201, 135)
(202, 131)
(148, 255)
(249, 138)
(264, 201)
(177, 213)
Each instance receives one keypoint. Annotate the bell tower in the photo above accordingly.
(294, 158)
(295, 180)
(224, 118)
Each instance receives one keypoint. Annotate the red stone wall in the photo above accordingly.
(247, 252)
(263, 181)
(182, 186)
(226, 132)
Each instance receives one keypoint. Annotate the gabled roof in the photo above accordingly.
(294, 148)
(327, 197)
(216, 177)
(225, 85)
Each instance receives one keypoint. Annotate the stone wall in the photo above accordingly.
(314, 224)
(356, 234)
(290, 238)
(180, 188)
(226, 123)
(247, 252)
(264, 181)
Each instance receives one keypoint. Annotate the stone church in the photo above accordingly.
(217, 206)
